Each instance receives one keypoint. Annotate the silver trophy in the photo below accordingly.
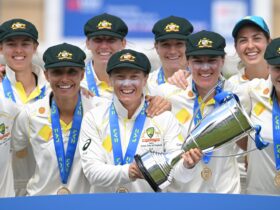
(226, 123)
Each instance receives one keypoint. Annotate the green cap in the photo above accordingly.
(272, 52)
(253, 20)
(205, 43)
(106, 25)
(172, 27)
(64, 55)
(129, 59)
(18, 27)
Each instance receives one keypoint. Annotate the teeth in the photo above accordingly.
(104, 53)
(64, 86)
(252, 53)
(205, 75)
(127, 91)
(173, 58)
(18, 58)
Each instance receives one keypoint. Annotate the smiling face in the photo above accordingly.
(275, 77)
(172, 54)
(65, 81)
(128, 86)
(250, 45)
(205, 71)
(18, 52)
(102, 47)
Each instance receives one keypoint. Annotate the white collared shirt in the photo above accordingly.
(23, 168)
(261, 163)
(225, 174)
(17, 87)
(8, 111)
(33, 125)
(239, 78)
(97, 157)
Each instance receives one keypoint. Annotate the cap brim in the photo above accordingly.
(274, 61)
(206, 52)
(126, 65)
(241, 23)
(172, 36)
(63, 64)
(105, 33)
(18, 34)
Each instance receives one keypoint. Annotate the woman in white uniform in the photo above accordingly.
(8, 112)
(23, 84)
(106, 35)
(52, 125)
(113, 133)
(205, 55)
(170, 44)
(263, 174)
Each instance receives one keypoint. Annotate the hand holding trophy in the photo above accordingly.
(226, 123)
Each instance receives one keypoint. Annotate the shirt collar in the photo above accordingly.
(122, 111)
(35, 69)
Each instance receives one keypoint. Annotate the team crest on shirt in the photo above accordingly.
(127, 57)
(2, 128)
(64, 55)
(104, 24)
(205, 43)
(151, 135)
(150, 132)
(172, 27)
(151, 140)
(278, 51)
(18, 25)
(3, 135)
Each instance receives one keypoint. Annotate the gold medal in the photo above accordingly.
(206, 173)
(277, 179)
(122, 190)
(63, 191)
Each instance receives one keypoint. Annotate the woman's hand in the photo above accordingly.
(157, 105)
(192, 157)
(179, 78)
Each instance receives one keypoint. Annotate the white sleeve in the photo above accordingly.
(242, 91)
(183, 174)
(20, 131)
(98, 170)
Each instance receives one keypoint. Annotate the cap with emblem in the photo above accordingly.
(106, 25)
(172, 27)
(205, 43)
(64, 55)
(18, 27)
(272, 52)
(254, 20)
(129, 59)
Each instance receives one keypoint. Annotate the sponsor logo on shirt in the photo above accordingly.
(3, 135)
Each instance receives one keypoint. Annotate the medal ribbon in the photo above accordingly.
(90, 79)
(276, 131)
(65, 161)
(197, 118)
(8, 91)
(134, 137)
(160, 77)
